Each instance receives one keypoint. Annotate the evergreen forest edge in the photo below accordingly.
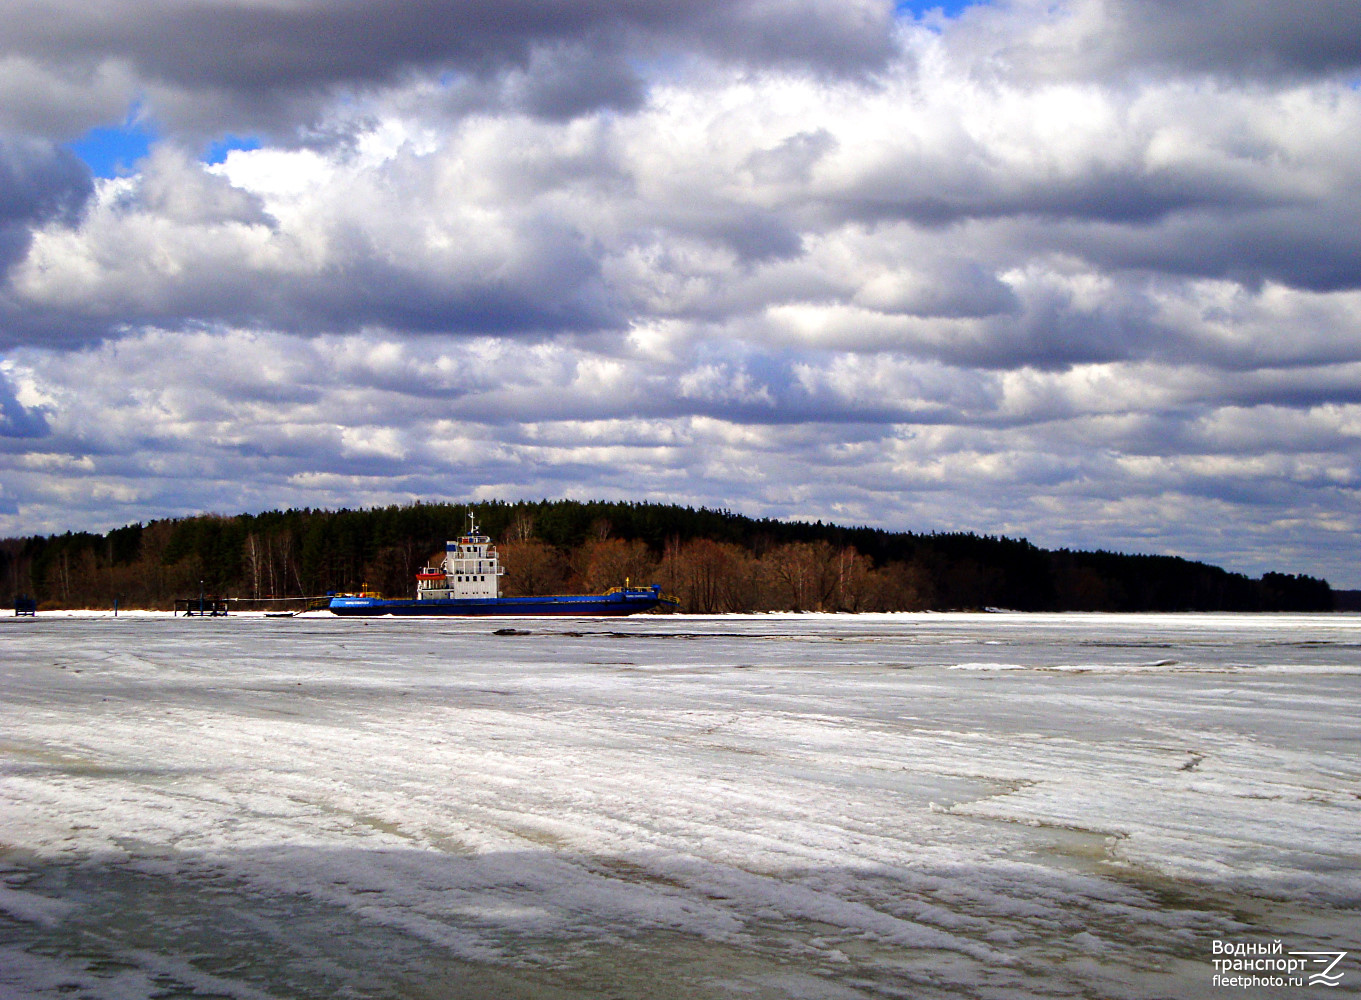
(712, 560)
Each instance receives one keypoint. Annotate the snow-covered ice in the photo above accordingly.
(767, 806)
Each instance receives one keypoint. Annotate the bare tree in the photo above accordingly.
(533, 568)
(854, 581)
(803, 576)
(709, 577)
(613, 562)
(901, 587)
(254, 553)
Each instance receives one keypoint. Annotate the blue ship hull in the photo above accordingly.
(619, 602)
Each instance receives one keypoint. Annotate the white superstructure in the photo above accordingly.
(470, 568)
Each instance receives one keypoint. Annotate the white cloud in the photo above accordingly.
(1005, 273)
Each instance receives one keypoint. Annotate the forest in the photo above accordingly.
(710, 560)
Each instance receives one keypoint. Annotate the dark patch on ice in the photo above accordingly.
(1194, 762)
(260, 923)
(751, 637)
(1309, 643)
(200, 933)
(1111, 644)
(669, 635)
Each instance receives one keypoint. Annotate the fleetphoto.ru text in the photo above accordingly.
(1266, 964)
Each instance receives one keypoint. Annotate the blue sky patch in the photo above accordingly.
(217, 151)
(112, 151)
(951, 8)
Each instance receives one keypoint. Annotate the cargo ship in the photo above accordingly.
(468, 582)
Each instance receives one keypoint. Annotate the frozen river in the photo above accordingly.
(764, 807)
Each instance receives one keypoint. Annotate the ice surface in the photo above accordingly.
(766, 806)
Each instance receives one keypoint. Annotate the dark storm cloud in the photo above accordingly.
(567, 80)
(21, 323)
(1315, 247)
(368, 294)
(1249, 37)
(566, 298)
(757, 236)
(38, 184)
(974, 183)
(253, 55)
(1234, 40)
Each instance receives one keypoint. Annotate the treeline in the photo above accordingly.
(712, 560)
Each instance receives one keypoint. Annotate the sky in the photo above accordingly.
(1086, 272)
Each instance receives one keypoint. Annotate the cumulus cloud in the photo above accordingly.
(1075, 271)
(404, 245)
(1129, 455)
